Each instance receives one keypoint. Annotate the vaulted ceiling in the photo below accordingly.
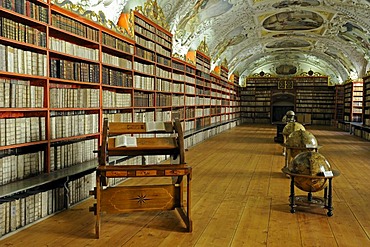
(283, 37)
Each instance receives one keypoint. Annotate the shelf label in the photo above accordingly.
(328, 174)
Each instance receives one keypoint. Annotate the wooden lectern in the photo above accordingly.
(126, 199)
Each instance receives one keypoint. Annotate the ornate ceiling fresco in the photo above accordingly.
(289, 37)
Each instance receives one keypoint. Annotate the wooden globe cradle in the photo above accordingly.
(324, 202)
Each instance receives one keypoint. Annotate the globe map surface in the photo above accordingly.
(309, 163)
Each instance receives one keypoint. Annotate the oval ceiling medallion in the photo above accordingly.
(293, 20)
(291, 43)
(286, 69)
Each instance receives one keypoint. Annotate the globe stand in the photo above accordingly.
(309, 200)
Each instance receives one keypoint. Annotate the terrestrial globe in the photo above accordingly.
(307, 166)
(292, 126)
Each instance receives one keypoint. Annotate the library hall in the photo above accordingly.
(206, 123)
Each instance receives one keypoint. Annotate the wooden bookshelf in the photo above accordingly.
(310, 96)
(339, 103)
(65, 76)
(353, 98)
(315, 97)
(366, 101)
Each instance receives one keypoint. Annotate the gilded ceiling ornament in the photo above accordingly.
(203, 47)
(225, 63)
(154, 12)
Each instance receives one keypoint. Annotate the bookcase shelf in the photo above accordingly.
(353, 98)
(311, 96)
(366, 102)
(61, 84)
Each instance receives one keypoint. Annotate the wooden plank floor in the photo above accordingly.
(239, 198)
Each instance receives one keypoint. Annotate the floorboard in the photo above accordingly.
(239, 198)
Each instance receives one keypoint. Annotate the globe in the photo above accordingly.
(301, 140)
(308, 164)
(292, 126)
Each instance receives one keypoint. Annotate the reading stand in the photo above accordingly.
(125, 199)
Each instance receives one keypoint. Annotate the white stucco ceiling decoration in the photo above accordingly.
(327, 36)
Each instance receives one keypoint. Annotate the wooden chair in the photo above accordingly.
(125, 199)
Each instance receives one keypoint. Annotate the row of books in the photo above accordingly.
(75, 27)
(76, 71)
(178, 77)
(119, 62)
(20, 32)
(73, 49)
(163, 116)
(22, 62)
(143, 53)
(116, 78)
(115, 99)
(164, 35)
(118, 116)
(158, 36)
(23, 209)
(20, 166)
(21, 130)
(163, 73)
(143, 99)
(178, 100)
(164, 52)
(163, 100)
(148, 44)
(80, 188)
(118, 44)
(189, 89)
(20, 94)
(73, 125)
(69, 154)
(202, 135)
(144, 82)
(144, 116)
(27, 8)
(164, 85)
(144, 68)
(179, 88)
(144, 24)
(74, 98)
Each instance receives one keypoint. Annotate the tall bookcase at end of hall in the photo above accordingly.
(61, 76)
(312, 99)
